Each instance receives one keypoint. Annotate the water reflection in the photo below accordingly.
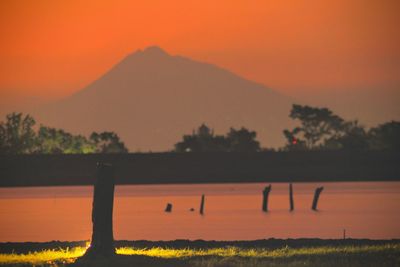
(232, 212)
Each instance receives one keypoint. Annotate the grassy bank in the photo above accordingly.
(361, 254)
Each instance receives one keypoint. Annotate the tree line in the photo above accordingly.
(321, 129)
(318, 129)
(203, 139)
(18, 136)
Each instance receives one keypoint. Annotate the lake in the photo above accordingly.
(232, 212)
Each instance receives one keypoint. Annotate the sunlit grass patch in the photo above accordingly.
(37, 257)
(253, 252)
(61, 256)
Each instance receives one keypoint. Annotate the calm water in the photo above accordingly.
(232, 212)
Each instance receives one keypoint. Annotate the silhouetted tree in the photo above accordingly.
(351, 136)
(108, 142)
(80, 145)
(57, 141)
(188, 144)
(17, 135)
(321, 129)
(242, 140)
(316, 126)
(294, 143)
(385, 137)
(52, 141)
(202, 140)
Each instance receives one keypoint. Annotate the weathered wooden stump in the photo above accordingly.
(266, 191)
(291, 197)
(102, 243)
(316, 197)
(168, 208)
(202, 205)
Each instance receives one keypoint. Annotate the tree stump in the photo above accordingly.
(266, 191)
(102, 243)
(291, 197)
(316, 197)
(202, 205)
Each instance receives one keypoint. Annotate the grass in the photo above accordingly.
(364, 255)
(253, 253)
(43, 257)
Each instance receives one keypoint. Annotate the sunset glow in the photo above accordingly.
(199, 133)
(52, 48)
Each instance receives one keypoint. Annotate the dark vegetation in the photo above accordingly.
(319, 129)
(324, 147)
(18, 136)
(204, 140)
(206, 167)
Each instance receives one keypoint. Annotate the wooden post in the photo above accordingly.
(291, 197)
(266, 191)
(102, 242)
(202, 205)
(344, 234)
(316, 197)
(168, 208)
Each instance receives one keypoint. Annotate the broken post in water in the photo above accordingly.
(202, 205)
(168, 208)
(266, 191)
(291, 197)
(102, 242)
(316, 197)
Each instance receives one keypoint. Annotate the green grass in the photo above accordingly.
(365, 255)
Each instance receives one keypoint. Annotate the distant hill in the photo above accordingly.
(151, 99)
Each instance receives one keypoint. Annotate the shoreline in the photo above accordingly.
(200, 253)
(201, 168)
(271, 243)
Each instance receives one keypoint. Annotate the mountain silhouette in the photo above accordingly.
(150, 99)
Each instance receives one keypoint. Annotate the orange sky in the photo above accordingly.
(53, 48)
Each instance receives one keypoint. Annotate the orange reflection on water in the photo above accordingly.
(232, 212)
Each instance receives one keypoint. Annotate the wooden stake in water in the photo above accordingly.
(102, 242)
(168, 208)
(202, 205)
(316, 197)
(291, 197)
(266, 191)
